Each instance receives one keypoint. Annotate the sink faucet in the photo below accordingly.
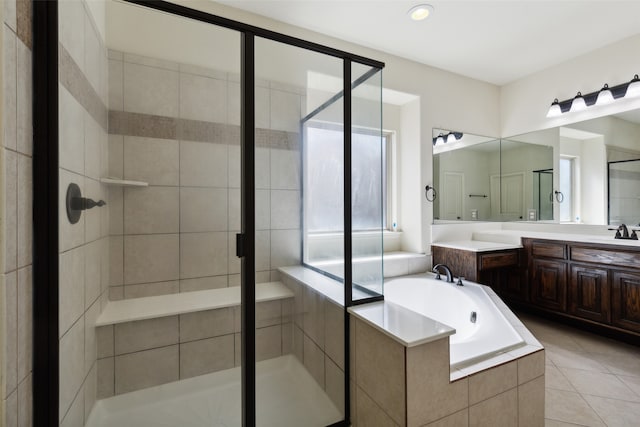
(446, 269)
(622, 232)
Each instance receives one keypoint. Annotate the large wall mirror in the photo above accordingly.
(583, 173)
(487, 179)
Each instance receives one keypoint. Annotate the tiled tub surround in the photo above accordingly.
(397, 382)
(176, 127)
(180, 338)
(318, 328)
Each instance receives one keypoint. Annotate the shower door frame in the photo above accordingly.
(46, 204)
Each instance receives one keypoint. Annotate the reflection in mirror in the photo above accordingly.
(542, 195)
(487, 179)
(591, 182)
(624, 192)
(465, 171)
(526, 179)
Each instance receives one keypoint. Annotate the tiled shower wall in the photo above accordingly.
(84, 246)
(177, 128)
(16, 230)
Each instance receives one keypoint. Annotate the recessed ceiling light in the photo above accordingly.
(420, 12)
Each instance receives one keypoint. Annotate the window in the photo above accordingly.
(324, 180)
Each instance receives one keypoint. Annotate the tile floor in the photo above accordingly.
(590, 380)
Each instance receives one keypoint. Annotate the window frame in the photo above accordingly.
(574, 162)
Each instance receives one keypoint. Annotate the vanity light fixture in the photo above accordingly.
(633, 90)
(448, 137)
(578, 103)
(420, 12)
(554, 110)
(604, 96)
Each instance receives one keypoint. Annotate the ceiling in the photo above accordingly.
(493, 41)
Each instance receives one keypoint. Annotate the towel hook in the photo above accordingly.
(433, 192)
(559, 196)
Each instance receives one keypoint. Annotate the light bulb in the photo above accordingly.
(554, 109)
(420, 12)
(451, 138)
(578, 103)
(605, 96)
(633, 90)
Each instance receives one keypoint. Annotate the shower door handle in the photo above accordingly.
(240, 245)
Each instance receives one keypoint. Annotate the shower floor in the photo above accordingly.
(287, 395)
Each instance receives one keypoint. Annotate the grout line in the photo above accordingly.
(592, 408)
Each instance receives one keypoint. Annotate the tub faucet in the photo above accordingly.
(446, 269)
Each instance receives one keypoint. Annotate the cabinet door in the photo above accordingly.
(514, 285)
(625, 304)
(549, 284)
(589, 293)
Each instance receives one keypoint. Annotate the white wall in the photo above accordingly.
(409, 181)
(525, 102)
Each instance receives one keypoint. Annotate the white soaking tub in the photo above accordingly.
(482, 331)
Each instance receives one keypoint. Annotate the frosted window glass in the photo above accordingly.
(325, 180)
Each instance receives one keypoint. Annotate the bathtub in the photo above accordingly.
(490, 334)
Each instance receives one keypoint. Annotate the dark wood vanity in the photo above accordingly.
(592, 285)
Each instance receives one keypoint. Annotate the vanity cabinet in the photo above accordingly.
(625, 300)
(589, 293)
(597, 284)
(499, 269)
(549, 284)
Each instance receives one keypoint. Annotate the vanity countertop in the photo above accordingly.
(478, 245)
(514, 236)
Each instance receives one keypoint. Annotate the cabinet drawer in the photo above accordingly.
(549, 250)
(602, 256)
(500, 259)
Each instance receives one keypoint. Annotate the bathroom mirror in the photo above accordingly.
(487, 179)
(595, 174)
(582, 173)
(466, 171)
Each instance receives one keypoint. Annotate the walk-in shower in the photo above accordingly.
(223, 153)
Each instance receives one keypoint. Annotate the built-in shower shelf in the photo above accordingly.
(186, 302)
(123, 182)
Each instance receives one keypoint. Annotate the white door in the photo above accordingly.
(507, 197)
(512, 196)
(452, 193)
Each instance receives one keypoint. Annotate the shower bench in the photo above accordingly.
(145, 342)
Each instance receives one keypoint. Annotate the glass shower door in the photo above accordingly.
(299, 350)
(149, 124)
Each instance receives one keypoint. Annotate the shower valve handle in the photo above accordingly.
(83, 203)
